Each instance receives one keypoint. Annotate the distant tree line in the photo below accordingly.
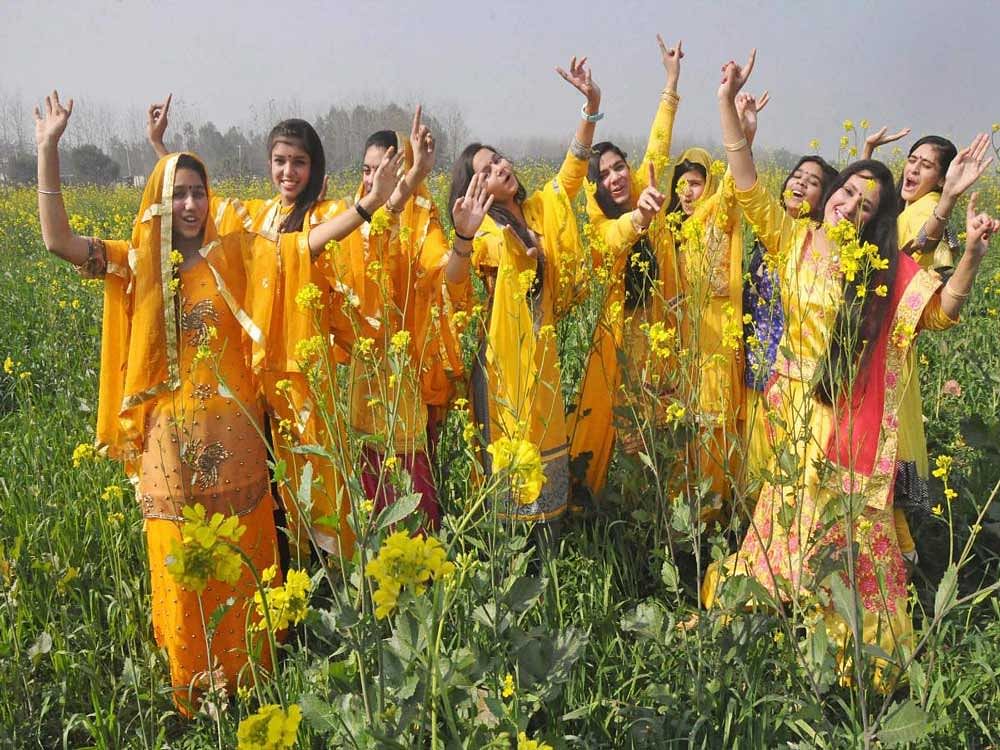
(104, 155)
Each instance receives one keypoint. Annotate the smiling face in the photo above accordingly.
(856, 200)
(922, 173)
(190, 209)
(500, 180)
(804, 184)
(616, 177)
(290, 169)
(694, 186)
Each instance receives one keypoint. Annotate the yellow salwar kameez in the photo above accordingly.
(516, 391)
(710, 260)
(295, 405)
(913, 463)
(832, 462)
(407, 354)
(620, 331)
(181, 406)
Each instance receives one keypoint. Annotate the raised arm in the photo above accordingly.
(967, 167)
(156, 125)
(880, 138)
(737, 147)
(574, 166)
(56, 232)
(468, 214)
(424, 156)
(979, 227)
(661, 133)
(388, 174)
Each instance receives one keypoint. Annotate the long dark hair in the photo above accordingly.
(945, 151)
(301, 133)
(604, 200)
(679, 171)
(829, 173)
(861, 317)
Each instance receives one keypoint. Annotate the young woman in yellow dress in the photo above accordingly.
(837, 398)
(929, 186)
(396, 414)
(801, 196)
(638, 260)
(526, 248)
(190, 317)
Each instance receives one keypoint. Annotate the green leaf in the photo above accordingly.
(399, 510)
(646, 620)
(845, 601)
(524, 593)
(318, 713)
(947, 592)
(907, 722)
(305, 487)
(669, 575)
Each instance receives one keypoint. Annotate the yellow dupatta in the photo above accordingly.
(518, 353)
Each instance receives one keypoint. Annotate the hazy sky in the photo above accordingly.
(928, 64)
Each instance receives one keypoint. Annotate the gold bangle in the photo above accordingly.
(636, 225)
(392, 209)
(934, 213)
(738, 146)
(49, 192)
(957, 295)
(670, 96)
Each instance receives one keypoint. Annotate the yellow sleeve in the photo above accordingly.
(933, 318)
(618, 236)
(571, 175)
(660, 134)
(768, 219)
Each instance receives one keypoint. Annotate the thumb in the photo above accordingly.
(970, 210)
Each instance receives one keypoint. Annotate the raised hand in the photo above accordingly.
(49, 129)
(747, 107)
(879, 138)
(734, 77)
(579, 77)
(470, 210)
(650, 200)
(979, 227)
(422, 143)
(156, 120)
(671, 57)
(967, 167)
(387, 176)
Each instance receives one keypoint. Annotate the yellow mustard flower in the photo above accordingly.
(271, 728)
(309, 297)
(523, 463)
(205, 551)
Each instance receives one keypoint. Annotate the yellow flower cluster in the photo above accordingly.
(523, 463)
(84, 452)
(675, 412)
(112, 493)
(380, 221)
(309, 297)
(286, 605)
(853, 252)
(206, 551)
(400, 341)
(661, 338)
(525, 279)
(176, 258)
(523, 743)
(406, 561)
(732, 328)
(508, 685)
(942, 471)
(271, 728)
(308, 351)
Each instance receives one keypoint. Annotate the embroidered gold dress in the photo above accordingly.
(181, 406)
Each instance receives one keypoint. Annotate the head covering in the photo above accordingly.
(700, 156)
